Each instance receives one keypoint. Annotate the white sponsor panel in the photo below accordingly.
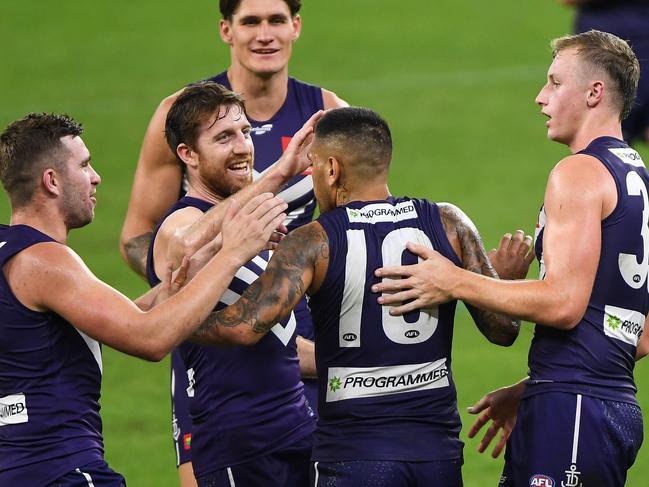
(13, 410)
(356, 382)
(628, 156)
(623, 324)
(383, 212)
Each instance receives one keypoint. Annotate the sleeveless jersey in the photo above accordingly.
(386, 389)
(245, 402)
(270, 138)
(50, 381)
(597, 356)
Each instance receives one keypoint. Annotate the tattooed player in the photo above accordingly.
(388, 410)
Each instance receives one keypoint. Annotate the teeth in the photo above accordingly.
(239, 167)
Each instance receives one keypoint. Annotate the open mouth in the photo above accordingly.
(240, 168)
(265, 51)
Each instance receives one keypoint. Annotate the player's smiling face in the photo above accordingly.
(261, 35)
(79, 184)
(223, 157)
(563, 99)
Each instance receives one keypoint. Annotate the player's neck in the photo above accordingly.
(264, 95)
(202, 192)
(593, 129)
(43, 219)
(365, 192)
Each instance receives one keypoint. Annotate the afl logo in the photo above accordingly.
(349, 337)
(411, 334)
(541, 481)
(637, 278)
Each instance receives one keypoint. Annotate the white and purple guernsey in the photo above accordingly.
(245, 402)
(50, 381)
(597, 357)
(386, 389)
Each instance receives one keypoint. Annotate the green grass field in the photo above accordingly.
(456, 79)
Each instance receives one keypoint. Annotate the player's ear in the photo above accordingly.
(51, 182)
(595, 93)
(334, 170)
(225, 29)
(187, 155)
(297, 26)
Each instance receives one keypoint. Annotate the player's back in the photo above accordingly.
(386, 389)
(597, 356)
(50, 380)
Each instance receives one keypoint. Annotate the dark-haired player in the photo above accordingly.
(578, 421)
(388, 413)
(54, 312)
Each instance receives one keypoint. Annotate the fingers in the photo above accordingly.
(505, 241)
(482, 404)
(407, 308)
(420, 250)
(397, 298)
(501, 444)
(478, 424)
(181, 274)
(393, 279)
(307, 129)
(490, 434)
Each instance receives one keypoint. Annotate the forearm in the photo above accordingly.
(135, 252)
(534, 301)
(306, 355)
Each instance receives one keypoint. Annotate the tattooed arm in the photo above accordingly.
(466, 241)
(298, 266)
(135, 252)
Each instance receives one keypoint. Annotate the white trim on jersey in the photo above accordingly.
(95, 349)
(575, 438)
(87, 477)
(231, 477)
(317, 474)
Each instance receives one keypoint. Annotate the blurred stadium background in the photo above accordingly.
(456, 79)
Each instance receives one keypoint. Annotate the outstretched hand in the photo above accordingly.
(247, 230)
(513, 257)
(499, 407)
(425, 284)
(295, 158)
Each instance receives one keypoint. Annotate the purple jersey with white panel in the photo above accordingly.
(386, 389)
(245, 402)
(50, 381)
(597, 356)
(270, 138)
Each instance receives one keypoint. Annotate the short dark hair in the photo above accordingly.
(359, 131)
(612, 55)
(193, 106)
(229, 7)
(26, 146)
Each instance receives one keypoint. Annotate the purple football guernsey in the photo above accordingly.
(245, 402)
(597, 357)
(50, 381)
(386, 389)
(270, 138)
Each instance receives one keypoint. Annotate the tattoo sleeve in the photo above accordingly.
(495, 327)
(273, 296)
(136, 251)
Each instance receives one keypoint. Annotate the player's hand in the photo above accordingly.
(423, 285)
(172, 281)
(247, 230)
(295, 158)
(513, 256)
(499, 407)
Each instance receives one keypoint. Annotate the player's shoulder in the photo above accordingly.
(579, 171)
(178, 219)
(331, 100)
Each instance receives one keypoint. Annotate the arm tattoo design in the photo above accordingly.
(137, 250)
(273, 296)
(459, 227)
